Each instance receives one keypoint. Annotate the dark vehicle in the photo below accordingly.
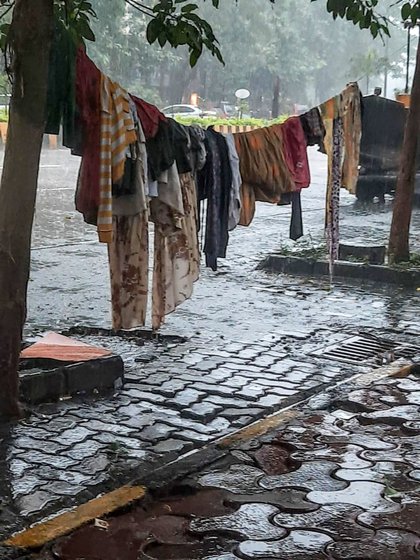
(383, 125)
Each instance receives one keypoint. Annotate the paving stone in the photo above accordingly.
(245, 420)
(252, 392)
(64, 489)
(313, 475)
(58, 425)
(408, 519)
(227, 402)
(282, 392)
(251, 521)
(274, 459)
(118, 428)
(171, 387)
(214, 389)
(46, 446)
(245, 369)
(238, 479)
(385, 545)
(157, 432)
(264, 360)
(365, 494)
(134, 410)
(94, 465)
(80, 451)
(412, 428)
(299, 545)
(56, 461)
(394, 416)
(347, 456)
(206, 365)
(35, 502)
(270, 401)
(338, 521)
(203, 411)
(204, 503)
(363, 400)
(146, 396)
(236, 381)
(172, 445)
(366, 441)
(26, 485)
(250, 353)
(72, 436)
(187, 397)
(286, 499)
(415, 475)
(393, 475)
(191, 435)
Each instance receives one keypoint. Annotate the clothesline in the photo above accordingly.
(139, 166)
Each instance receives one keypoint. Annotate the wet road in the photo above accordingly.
(69, 281)
(249, 355)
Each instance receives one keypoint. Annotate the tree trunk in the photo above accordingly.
(399, 249)
(30, 42)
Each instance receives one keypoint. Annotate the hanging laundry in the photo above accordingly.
(176, 252)
(337, 110)
(313, 128)
(352, 130)
(117, 133)
(215, 181)
(61, 92)
(295, 152)
(150, 117)
(128, 255)
(88, 121)
(235, 191)
(264, 171)
(161, 150)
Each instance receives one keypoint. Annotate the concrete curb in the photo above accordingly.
(50, 380)
(309, 267)
(161, 479)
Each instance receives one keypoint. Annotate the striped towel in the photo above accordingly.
(117, 133)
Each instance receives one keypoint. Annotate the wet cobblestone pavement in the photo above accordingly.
(335, 483)
(248, 354)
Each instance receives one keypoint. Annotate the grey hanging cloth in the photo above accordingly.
(296, 223)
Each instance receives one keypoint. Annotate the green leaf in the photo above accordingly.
(85, 30)
(406, 11)
(154, 29)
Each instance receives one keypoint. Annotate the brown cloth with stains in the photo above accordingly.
(129, 266)
(264, 171)
(351, 108)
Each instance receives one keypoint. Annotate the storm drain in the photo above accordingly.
(361, 349)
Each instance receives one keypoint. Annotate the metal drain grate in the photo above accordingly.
(359, 349)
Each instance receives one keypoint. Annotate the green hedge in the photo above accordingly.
(211, 121)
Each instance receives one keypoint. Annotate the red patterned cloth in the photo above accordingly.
(295, 153)
(149, 116)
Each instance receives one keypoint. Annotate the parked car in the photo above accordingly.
(182, 111)
(383, 124)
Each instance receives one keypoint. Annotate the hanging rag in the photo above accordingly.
(313, 128)
(117, 133)
(264, 171)
(149, 115)
(352, 129)
(235, 192)
(176, 253)
(88, 103)
(215, 186)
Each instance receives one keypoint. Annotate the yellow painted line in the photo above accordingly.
(258, 428)
(44, 532)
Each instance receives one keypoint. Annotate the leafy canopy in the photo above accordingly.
(177, 22)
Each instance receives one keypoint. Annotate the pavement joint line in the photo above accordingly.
(48, 530)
